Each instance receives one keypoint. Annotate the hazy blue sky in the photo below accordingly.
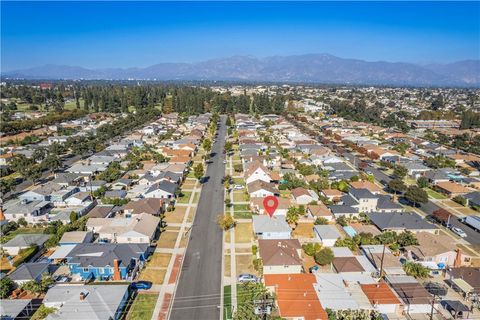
(128, 34)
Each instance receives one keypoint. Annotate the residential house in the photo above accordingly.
(32, 211)
(41, 193)
(256, 171)
(275, 227)
(16, 309)
(24, 241)
(370, 186)
(303, 196)
(153, 206)
(382, 258)
(256, 205)
(262, 189)
(78, 302)
(296, 296)
(327, 234)
(401, 221)
(117, 261)
(29, 271)
(467, 279)
(436, 251)
(367, 201)
(103, 211)
(332, 293)
(416, 299)
(76, 237)
(320, 211)
(162, 190)
(451, 189)
(280, 256)
(139, 229)
(383, 298)
(333, 195)
(416, 169)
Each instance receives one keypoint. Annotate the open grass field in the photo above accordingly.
(142, 307)
(243, 232)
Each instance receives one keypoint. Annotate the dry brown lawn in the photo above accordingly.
(167, 240)
(159, 260)
(304, 230)
(243, 232)
(154, 275)
(244, 264)
(175, 216)
(188, 185)
(227, 271)
(308, 262)
(226, 237)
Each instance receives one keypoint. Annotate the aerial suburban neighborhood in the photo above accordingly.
(153, 210)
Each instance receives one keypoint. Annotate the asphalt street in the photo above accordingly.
(199, 289)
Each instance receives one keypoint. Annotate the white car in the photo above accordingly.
(247, 278)
(238, 187)
(225, 161)
(459, 232)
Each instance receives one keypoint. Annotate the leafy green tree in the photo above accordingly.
(226, 221)
(416, 270)
(407, 238)
(6, 185)
(416, 195)
(342, 221)
(422, 182)
(311, 248)
(198, 171)
(397, 186)
(324, 256)
(387, 237)
(51, 162)
(400, 172)
(207, 144)
(73, 216)
(320, 221)
(6, 286)
(33, 173)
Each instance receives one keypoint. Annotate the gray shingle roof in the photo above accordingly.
(29, 271)
(263, 223)
(100, 255)
(400, 220)
(25, 240)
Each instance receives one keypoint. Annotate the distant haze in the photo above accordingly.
(310, 68)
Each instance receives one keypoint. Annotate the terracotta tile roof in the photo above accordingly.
(452, 187)
(180, 159)
(379, 293)
(296, 296)
(332, 193)
(370, 186)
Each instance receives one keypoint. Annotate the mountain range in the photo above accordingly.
(309, 68)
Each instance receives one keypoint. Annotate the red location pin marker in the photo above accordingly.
(270, 204)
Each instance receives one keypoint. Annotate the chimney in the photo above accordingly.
(458, 259)
(116, 270)
(83, 295)
(2, 216)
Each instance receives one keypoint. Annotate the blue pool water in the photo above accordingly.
(350, 231)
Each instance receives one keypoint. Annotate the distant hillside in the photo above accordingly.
(314, 68)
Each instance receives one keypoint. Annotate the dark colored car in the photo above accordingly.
(141, 285)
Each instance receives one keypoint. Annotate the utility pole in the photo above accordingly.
(381, 262)
(433, 305)
(263, 307)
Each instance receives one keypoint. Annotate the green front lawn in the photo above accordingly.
(227, 302)
(435, 195)
(242, 215)
(239, 181)
(185, 198)
(142, 307)
(241, 207)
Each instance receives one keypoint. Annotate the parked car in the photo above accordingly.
(246, 277)
(141, 285)
(459, 232)
(225, 161)
(238, 187)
